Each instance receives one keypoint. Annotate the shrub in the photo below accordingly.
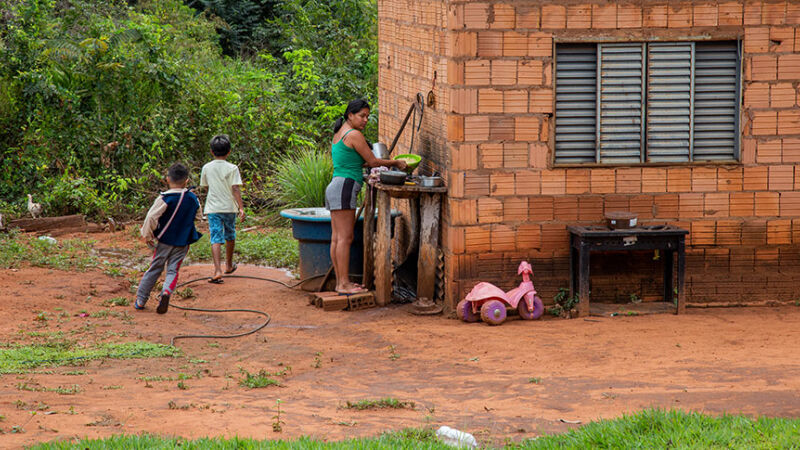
(302, 177)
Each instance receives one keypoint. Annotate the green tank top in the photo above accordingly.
(347, 162)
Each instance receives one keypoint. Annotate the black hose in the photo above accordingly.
(229, 336)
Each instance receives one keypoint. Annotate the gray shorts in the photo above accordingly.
(342, 193)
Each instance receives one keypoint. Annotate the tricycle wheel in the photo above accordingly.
(538, 309)
(493, 312)
(464, 312)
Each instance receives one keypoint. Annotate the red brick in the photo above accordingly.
(527, 129)
(554, 236)
(528, 182)
(590, 207)
(477, 239)
(603, 181)
(790, 204)
(769, 152)
(461, 44)
(553, 182)
(691, 205)
(501, 183)
(502, 16)
(793, 13)
(540, 44)
(528, 16)
(529, 72)
(578, 181)
(463, 212)
(629, 16)
(642, 206)
(705, 15)
(455, 72)
(789, 121)
(767, 204)
(476, 128)
(464, 101)
(529, 236)
(503, 238)
(791, 151)
(504, 73)
(515, 44)
(455, 17)
(703, 232)
(788, 67)
(654, 179)
(490, 210)
(779, 232)
(754, 232)
(477, 72)
(490, 101)
(756, 40)
(773, 12)
(490, 43)
(501, 128)
(752, 12)
(730, 13)
(454, 239)
(781, 39)
(579, 16)
(754, 178)
(515, 209)
(604, 16)
(764, 67)
(540, 208)
(783, 95)
(539, 153)
(717, 204)
(476, 185)
(565, 208)
(629, 180)
(515, 155)
(616, 203)
(541, 101)
(679, 179)
(741, 204)
(491, 155)
(464, 157)
(554, 17)
(749, 148)
(765, 123)
(704, 179)
(515, 101)
(729, 179)
(655, 16)
(455, 184)
(781, 178)
(729, 232)
(455, 128)
(476, 15)
(679, 15)
(666, 206)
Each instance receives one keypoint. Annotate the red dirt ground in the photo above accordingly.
(468, 376)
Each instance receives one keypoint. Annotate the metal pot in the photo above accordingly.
(393, 177)
(430, 181)
(380, 150)
(621, 220)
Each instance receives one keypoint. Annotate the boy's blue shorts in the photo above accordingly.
(222, 227)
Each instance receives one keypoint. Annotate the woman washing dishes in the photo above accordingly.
(350, 152)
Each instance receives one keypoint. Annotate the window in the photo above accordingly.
(658, 102)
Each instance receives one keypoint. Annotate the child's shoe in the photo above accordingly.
(138, 306)
(163, 302)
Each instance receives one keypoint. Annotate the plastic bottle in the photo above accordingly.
(456, 438)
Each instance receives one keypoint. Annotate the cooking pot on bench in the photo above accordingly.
(393, 177)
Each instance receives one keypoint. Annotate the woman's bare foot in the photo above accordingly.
(350, 288)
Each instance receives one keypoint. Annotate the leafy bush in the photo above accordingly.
(302, 177)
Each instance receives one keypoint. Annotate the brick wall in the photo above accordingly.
(506, 200)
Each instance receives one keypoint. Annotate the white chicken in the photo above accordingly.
(34, 208)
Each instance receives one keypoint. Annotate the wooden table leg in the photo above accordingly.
(369, 238)
(383, 251)
(583, 280)
(428, 245)
(573, 277)
(681, 275)
(668, 258)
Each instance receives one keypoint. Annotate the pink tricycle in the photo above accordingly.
(492, 302)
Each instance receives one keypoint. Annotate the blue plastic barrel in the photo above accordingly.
(312, 229)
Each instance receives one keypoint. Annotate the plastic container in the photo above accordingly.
(456, 438)
(411, 159)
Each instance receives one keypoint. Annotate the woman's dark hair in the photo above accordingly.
(352, 108)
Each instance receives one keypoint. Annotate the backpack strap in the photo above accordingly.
(164, 230)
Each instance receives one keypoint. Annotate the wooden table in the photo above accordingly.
(379, 261)
(586, 239)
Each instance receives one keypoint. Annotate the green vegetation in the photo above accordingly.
(19, 359)
(117, 301)
(646, 429)
(262, 378)
(98, 97)
(69, 254)
(277, 248)
(387, 402)
(302, 177)
(563, 303)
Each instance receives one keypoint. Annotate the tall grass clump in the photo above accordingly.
(302, 177)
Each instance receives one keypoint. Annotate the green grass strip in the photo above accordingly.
(648, 429)
(22, 358)
(276, 249)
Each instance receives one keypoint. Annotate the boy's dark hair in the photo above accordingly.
(178, 172)
(220, 145)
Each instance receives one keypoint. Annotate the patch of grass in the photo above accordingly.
(260, 379)
(19, 359)
(69, 254)
(117, 301)
(276, 248)
(535, 380)
(60, 390)
(383, 403)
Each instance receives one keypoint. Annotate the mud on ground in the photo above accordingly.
(512, 382)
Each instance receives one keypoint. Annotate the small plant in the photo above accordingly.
(392, 353)
(41, 317)
(317, 360)
(182, 386)
(117, 301)
(563, 304)
(383, 403)
(535, 380)
(258, 380)
(634, 298)
(277, 423)
(185, 293)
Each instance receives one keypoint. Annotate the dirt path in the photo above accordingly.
(513, 381)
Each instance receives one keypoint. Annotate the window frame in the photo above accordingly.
(643, 151)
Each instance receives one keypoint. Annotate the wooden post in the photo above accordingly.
(668, 258)
(428, 245)
(583, 280)
(383, 251)
(369, 238)
(681, 275)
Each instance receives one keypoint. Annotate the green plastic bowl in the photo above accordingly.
(412, 160)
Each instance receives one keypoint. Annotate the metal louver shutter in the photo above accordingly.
(669, 102)
(716, 101)
(620, 109)
(576, 104)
